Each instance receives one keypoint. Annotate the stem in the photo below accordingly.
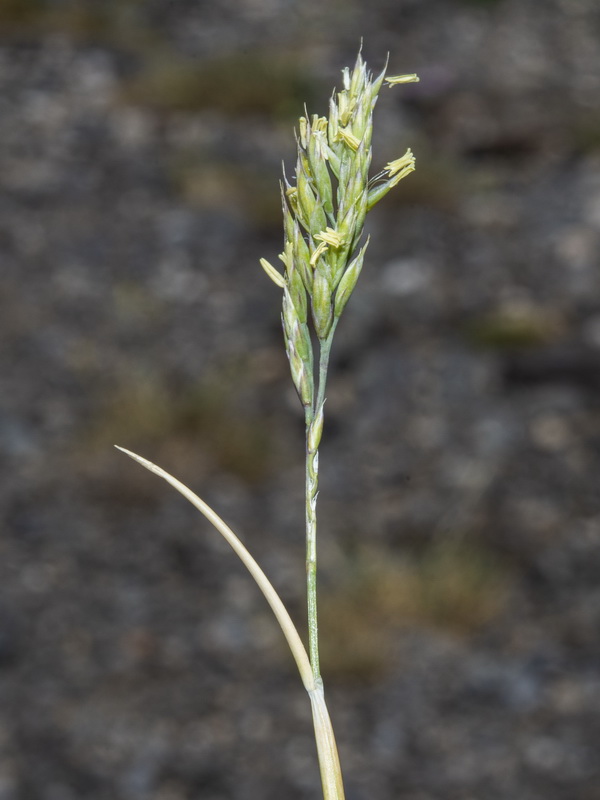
(331, 774)
(324, 364)
(312, 482)
(312, 487)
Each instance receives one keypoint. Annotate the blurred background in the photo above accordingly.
(140, 152)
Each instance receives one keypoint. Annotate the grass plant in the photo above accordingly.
(324, 210)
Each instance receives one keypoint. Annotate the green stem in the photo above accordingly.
(312, 487)
(324, 365)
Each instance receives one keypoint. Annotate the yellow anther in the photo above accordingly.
(288, 255)
(292, 195)
(344, 107)
(398, 79)
(407, 160)
(303, 129)
(402, 174)
(349, 138)
(331, 237)
(317, 254)
(275, 276)
(320, 140)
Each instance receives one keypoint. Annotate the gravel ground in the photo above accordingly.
(140, 147)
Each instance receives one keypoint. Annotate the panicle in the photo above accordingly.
(324, 209)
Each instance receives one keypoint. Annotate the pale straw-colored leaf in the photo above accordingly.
(273, 599)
